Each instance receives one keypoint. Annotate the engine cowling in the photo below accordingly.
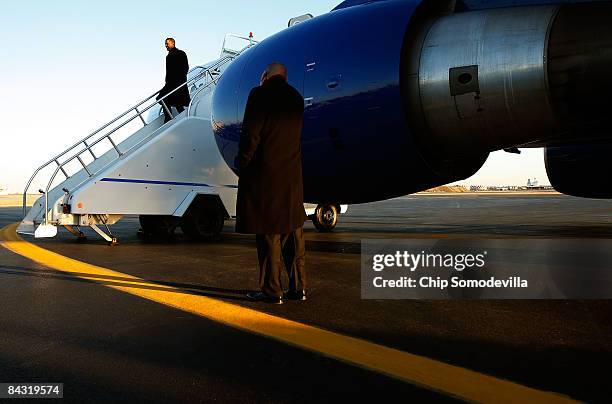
(580, 169)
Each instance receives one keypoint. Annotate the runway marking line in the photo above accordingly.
(417, 370)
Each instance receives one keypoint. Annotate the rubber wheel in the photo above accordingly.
(325, 217)
(157, 226)
(201, 221)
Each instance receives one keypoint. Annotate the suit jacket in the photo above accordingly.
(270, 188)
(177, 67)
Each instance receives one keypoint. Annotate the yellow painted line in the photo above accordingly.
(418, 370)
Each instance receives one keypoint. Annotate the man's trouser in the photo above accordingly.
(275, 251)
(167, 116)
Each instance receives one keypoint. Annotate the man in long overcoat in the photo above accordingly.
(270, 190)
(177, 67)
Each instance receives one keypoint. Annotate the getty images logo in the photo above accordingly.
(411, 261)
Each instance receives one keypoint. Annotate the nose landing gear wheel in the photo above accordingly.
(325, 217)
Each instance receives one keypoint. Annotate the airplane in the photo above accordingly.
(402, 95)
(399, 96)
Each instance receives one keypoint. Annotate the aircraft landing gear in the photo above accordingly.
(325, 217)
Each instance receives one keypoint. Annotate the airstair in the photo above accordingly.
(169, 174)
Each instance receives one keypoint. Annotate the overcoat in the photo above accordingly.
(270, 187)
(177, 67)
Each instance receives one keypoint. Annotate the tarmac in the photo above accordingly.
(167, 320)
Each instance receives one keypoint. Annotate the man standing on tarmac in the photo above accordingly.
(177, 67)
(270, 190)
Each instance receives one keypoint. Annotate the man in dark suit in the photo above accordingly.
(270, 191)
(177, 67)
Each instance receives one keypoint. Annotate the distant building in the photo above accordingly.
(531, 185)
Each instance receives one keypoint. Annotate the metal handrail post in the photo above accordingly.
(89, 148)
(47, 194)
(166, 108)
(114, 145)
(140, 116)
(61, 168)
(84, 165)
(25, 192)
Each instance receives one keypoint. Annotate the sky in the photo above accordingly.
(67, 67)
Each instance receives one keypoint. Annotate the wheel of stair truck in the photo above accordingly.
(203, 219)
(157, 226)
(325, 217)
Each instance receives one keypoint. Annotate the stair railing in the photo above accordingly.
(204, 72)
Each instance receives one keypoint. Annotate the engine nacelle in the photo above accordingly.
(490, 79)
(580, 170)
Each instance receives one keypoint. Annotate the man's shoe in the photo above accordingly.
(295, 295)
(262, 297)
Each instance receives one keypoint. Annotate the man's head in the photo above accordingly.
(274, 69)
(170, 43)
